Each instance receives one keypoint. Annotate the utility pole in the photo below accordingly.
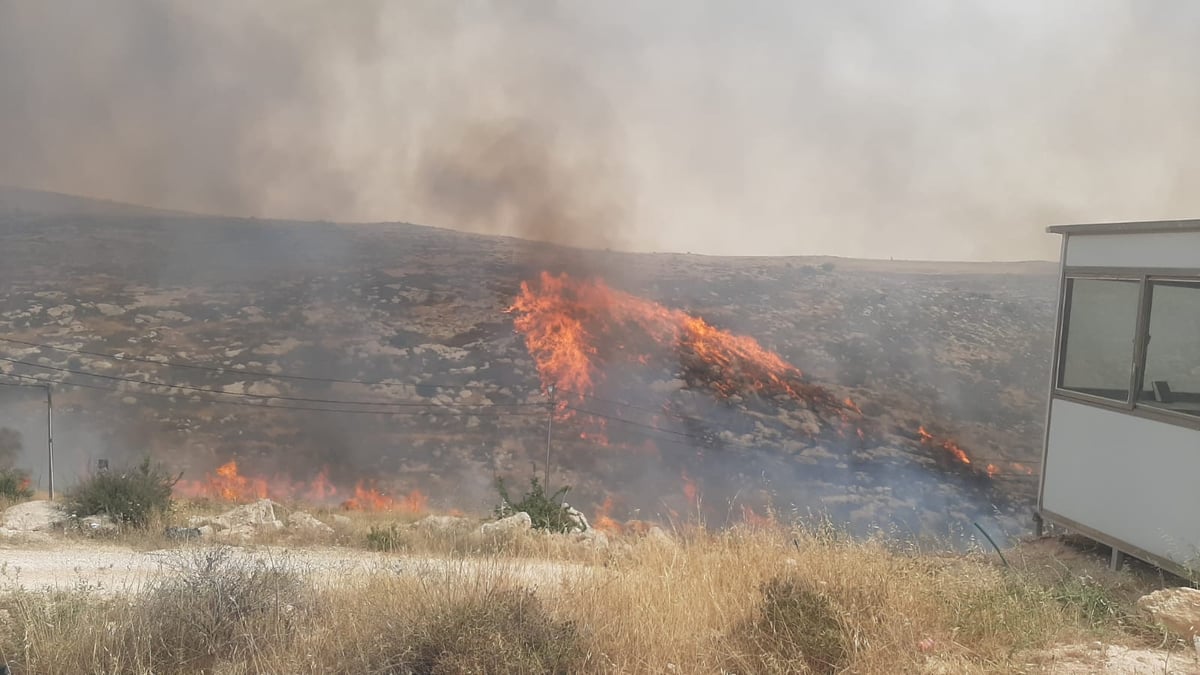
(50, 436)
(49, 427)
(549, 428)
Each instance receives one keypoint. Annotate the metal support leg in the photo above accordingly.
(1117, 560)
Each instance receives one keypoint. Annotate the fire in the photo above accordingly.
(948, 445)
(690, 491)
(604, 521)
(228, 484)
(992, 470)
(566, 321)
(751, 517)
(368, 498)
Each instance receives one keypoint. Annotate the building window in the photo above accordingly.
(1100, 326)
(1172, 375)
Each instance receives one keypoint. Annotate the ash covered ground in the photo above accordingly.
(959, 349)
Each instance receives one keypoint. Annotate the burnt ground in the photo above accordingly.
(962, 349)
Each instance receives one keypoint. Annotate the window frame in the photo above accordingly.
(1145, 278)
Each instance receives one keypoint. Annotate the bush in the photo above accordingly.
(796, 629)
(132, 497)
(546, 512)
(14, 485)
(506, 631)
(216, 606)
(384, 538)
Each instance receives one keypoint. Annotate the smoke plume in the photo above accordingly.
(918, 130)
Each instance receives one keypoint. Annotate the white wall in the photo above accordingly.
(1155, 249)
(1133, 479)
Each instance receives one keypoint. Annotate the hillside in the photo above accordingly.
(418, 319)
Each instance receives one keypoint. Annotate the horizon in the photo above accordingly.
(925, 131)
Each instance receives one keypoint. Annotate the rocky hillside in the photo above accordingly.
(295, 319)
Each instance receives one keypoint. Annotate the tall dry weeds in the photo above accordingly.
(763, 600)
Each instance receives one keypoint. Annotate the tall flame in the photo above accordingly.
(565, 321)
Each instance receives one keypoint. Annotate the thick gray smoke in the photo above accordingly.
(923, 129)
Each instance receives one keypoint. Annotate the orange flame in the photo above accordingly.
(565, 320)
(368, 498)
(228, 484)
(751, 517)
(947, 445)
(690, 491)
(225, 484)
(604, 520)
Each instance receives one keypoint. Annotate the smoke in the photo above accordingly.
(925, 129)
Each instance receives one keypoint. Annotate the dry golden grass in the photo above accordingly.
(747, 600)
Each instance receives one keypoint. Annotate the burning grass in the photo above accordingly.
(750, 600)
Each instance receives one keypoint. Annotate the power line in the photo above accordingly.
(166, 363)
(422, 405)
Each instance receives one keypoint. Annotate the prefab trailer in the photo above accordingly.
(1121, 461)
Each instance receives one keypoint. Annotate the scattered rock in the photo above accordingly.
(200, 521)
(593, 538)
(183, 533)
(34, 516)
(440, 523)
(240, 532)
(519, 522)
(257, 516)
(98, 524)
(1176, 609)
(304, 521)
(24, 535)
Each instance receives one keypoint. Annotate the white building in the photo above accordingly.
(1122, 455)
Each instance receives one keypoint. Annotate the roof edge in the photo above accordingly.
(1142, 227)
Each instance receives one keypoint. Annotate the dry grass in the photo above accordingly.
(740, 601)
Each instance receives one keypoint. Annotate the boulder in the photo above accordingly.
(580, 520)
(1176, 609)
(341, 521)
(259, 516)
(593, 538)
(35, 516)
(299, 520)
(519, 522)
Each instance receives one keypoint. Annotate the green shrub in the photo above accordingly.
(546, 512)
(14, 485)
(796, 629)
(384, 538)
(130, 497)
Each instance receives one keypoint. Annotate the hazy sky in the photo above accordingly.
(953, 129)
